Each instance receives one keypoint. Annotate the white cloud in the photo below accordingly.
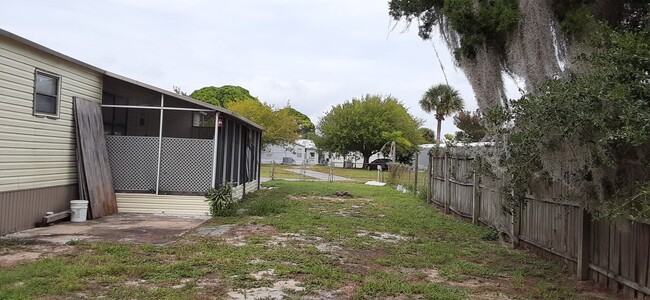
(315, 53)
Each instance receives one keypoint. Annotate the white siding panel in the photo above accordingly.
(162, 204)
(20, 100)
(37, 123)
(38, 152)
(44, 171)
(34, 145)
(36, 178)
(47, 140)
(35, 185)
(29, 89)
(238, 192)
(38, 132)
(16, 78)
(12, 67)
(66, 113)
(23, 55)
(5, 91)
(33, 159)
(36, 165)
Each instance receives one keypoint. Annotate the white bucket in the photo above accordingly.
(79, 210)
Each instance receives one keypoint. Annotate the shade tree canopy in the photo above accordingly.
(305, 125)
(470, 125)
(283, 125)
(280, 126)
(366, 125)
(428, 136)
(221, 96)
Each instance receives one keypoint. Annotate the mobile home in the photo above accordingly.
(164, 148)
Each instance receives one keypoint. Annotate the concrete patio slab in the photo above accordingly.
(122, 228)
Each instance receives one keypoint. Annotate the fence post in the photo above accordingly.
(330, 178)
(584, 244)
(516, 226)
(430, 178)
(476, 197)
(273, 171)
(415, 175)
(447, 199)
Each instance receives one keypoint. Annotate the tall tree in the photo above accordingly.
(471, 126)
(427, 135)
(443, 100)
(281, 128)
(533, 40)
(367, 124)
(304, 123)
(221, 96)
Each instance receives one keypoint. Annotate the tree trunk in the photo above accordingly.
(438, 130)
(366, 160)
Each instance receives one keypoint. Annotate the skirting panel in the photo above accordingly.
(251, 186)
(238, 192)
(162, 204)
(21, 210)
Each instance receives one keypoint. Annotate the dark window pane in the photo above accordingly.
(45, 104)
(46, 84)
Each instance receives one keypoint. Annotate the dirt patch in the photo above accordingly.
(383, 236)
(25, 254)
(343, 194)
(328, 248)
(361, 262)
(278, 290)
(238, 235)
(347, 291)
(433, 276)
(486, 289)
(264, 274)
(332, 198)
(285, 239)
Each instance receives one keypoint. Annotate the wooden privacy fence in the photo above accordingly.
(615, 254)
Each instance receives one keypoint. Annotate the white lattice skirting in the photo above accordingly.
(185, 164)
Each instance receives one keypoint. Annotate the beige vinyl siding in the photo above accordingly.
(37, 152)
(162, 204)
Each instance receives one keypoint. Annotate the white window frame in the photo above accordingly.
(58, 95)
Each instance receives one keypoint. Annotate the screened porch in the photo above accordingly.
(162, 143)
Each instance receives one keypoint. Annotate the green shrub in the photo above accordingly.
(220, 199)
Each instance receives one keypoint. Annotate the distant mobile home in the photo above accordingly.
(298, 153)
(164, 148)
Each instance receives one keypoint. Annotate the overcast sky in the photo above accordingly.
(316, 53)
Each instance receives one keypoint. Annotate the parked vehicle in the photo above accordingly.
(383, 162)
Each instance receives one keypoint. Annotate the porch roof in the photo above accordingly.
(186, 99)
(62, 56)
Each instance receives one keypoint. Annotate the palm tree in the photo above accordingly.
(442, 99)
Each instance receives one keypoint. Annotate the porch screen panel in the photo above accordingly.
(249, 156)
(185, 165)
(134, 162)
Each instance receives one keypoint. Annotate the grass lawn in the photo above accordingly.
(361, 175)
(281, 172)
(298, 240)
(357, 175)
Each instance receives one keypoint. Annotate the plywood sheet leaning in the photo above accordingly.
(95, 177)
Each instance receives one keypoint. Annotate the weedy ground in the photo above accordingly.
(300, 240)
